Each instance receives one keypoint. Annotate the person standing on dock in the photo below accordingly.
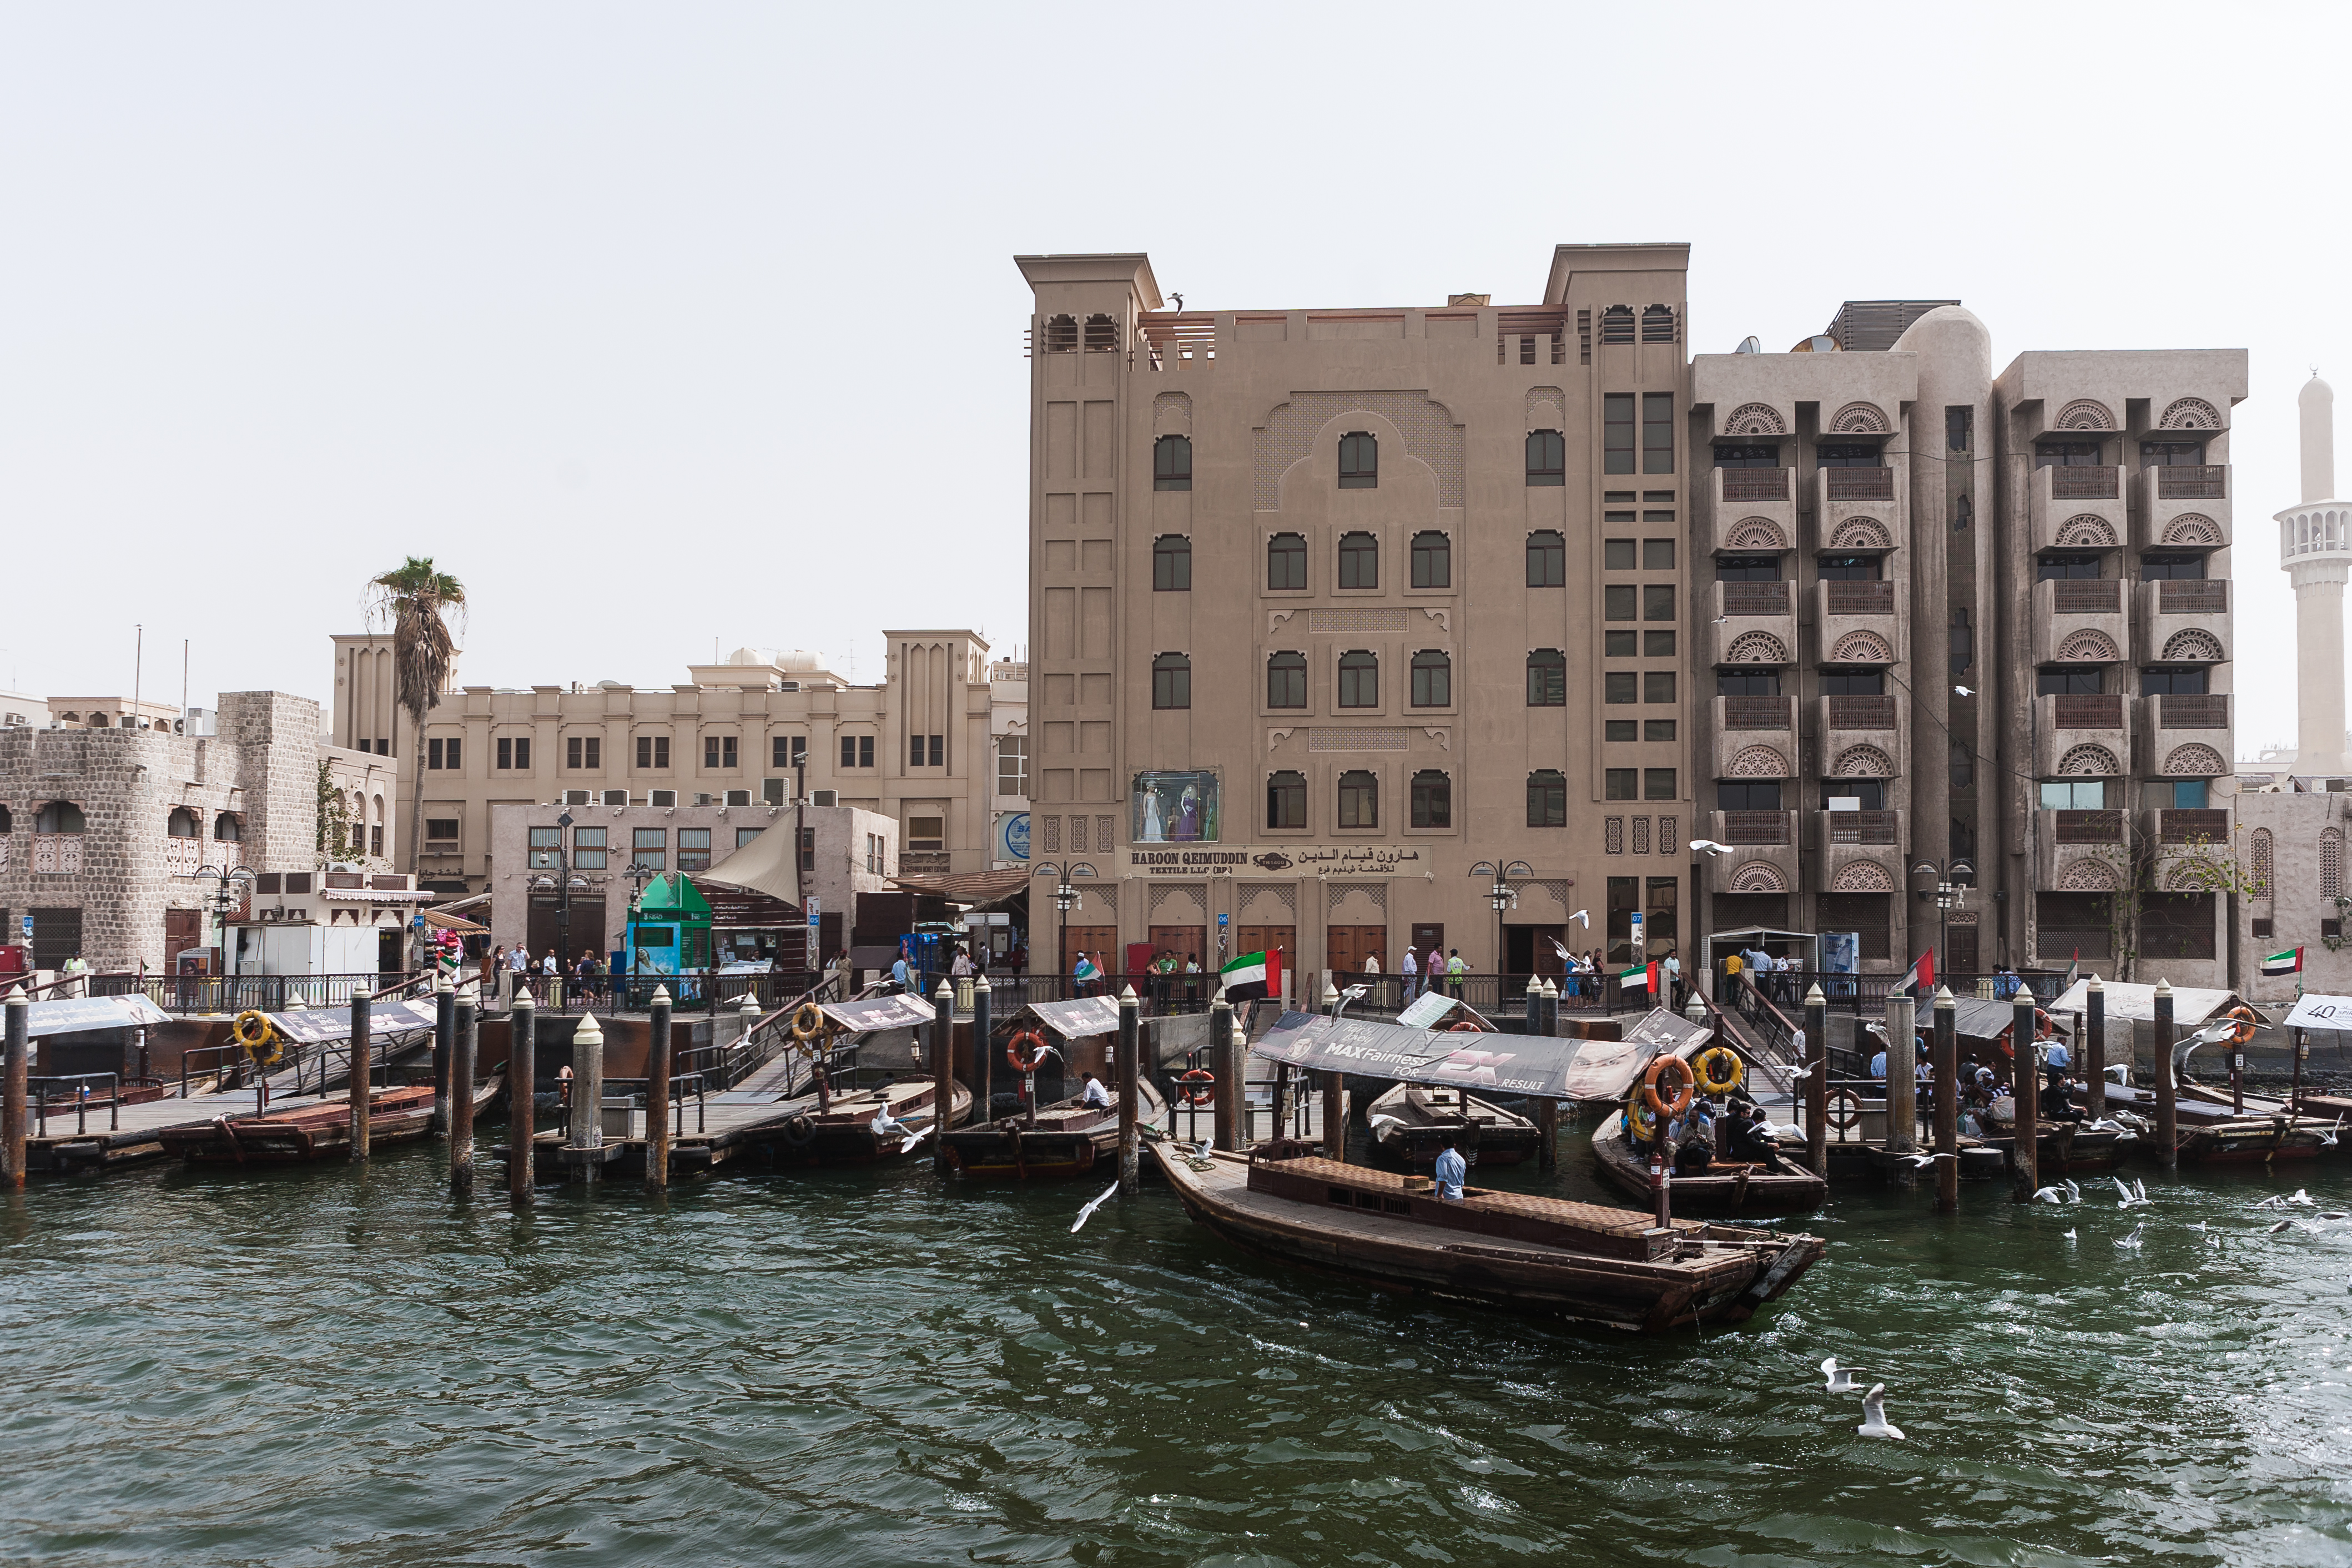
(1452, 1172)
(1454, 969)
(1410, 968)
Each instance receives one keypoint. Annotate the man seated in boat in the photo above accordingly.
(1748, 1140)
(2057, 1101)
(1451, 1173)
(1695, 1151)
(1095, 1094)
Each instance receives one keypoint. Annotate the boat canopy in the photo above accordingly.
(1078, 1018)
(315, 1025)
(1544, 1066)
(2317, 1011)
(71, 1015)
(879, 1012)
(2191, 1006)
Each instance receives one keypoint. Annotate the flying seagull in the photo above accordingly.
(907, 1147)
(1709, 847)
(1583, 917)
(1840, 1377)
(2131, 1243)
(2125, 1198)
(1962, 691)
(2065, 1192)
(2282, 1225)
(1874, 1416)
(1087, 1212)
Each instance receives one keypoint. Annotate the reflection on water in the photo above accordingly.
(339, 1367)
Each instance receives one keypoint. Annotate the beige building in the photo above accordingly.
(1334, 613)
(933, 747)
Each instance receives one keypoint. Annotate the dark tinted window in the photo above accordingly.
(1172, 564)
(1748, 795)
(1285, 681)
(1871, 792)
(1657, 685)
(1547, 799)
(2158, 680)
(2057, 564)
(1432, 560)
(2167, 454)
(1657, 432)
(1746, 683)
(1171, 463)
(1617, 603)
(1547, 558)
(1621, 783)
(1617, 432)
(1360, 462)
(1433, 679)
(1547, 458)
(1433, 799)
(2066, 683)
(1747, 568)
(1547, 678)
(1728, 456)
(1658, 602)
(1286, 800)
(1360, 800)
(1616, 686)
(1360, 560)
(1849, 455)
(1849, 568)
(1171, 681)
(1360, 680)
(1657, 783)
(2067, 454)
(1835, 685)
(1658, 555)
(1285, 561)
(1620, 644)
(2157, 568)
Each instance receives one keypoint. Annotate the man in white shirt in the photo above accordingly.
(961, 968)
(1410, 970)
(1452, 1172)
(1095, 1094)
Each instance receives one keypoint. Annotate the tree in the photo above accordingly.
(2150, 875)
(417, 598)
(335, 817)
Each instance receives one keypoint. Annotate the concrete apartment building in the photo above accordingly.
(940, 746)
(1337, 612)
(1973, 629)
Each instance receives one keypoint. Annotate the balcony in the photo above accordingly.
(57, 854)
(1742, 725)
(2080, 737)
(1859, 508)
(1753, 509)
(1857, 851)
(1764, 846)
(2172, 826)
(2182, 711)
(2184, 621)
(2077, 508)
(1858, 622)
(2079, 620)
(2185, 508)
(2079, 852)
(1862, 737)
(1755, 621)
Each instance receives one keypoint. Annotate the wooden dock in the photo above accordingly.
(107, 1137)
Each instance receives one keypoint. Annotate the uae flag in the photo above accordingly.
(1642, 978)
(2287, 963)
(1922, 975)
(1252, 976)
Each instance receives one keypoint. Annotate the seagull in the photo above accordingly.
(2273, 1201)
(1841, 1378)
(1720, 620)
(2131, 1243)
(907, 1147)
(1921, 1161)
(2065, 1193)
(2302, 1199)
(1088, 1211)
(1583, 917)
(1962, 692)
(2125, 1198)
(2070, 1235)
(2282, 1225)
(1709, 847)
(1874, 1416)
(1178, 297)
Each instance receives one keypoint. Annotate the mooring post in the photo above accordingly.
(2167, 1111)
(658, 1069)
(12, 1098)
(465, 1042)
(445, 1044)
(1130, 1073)
(942, 1069)
(1547, 1111)
(2025, 1089)
(2237, 1076)
(1222, 1061)
(1817, 1081)
(2294, 1089)
(1948, 1102)
(359, 1074)
(2094, 1051)
(984, 1029)
(587, 1129)
(522, 1090)
(1902, 1077)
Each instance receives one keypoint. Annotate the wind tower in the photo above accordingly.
(2316, 552)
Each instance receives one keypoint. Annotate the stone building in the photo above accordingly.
(932, 747)
(104, 830)
(1337, 612)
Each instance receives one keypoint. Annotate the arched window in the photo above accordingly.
(1171, 463)
(1285, 680)
(1285, 560)
(1171, 681)
(1360, 462)
(1433, 679)
(1547, 798)
(1617, 324)
(1360, 679)
(1433, 799)
(1172, 564)
(1547, 458)
(1102, 334)
(1286, 799)
(1061, 334)
(1360, 560)
(1432, 560)
(182, 824)
(1546, 678)
(1547, 558)
(1360, 799)
(229, 828)
(60, 817)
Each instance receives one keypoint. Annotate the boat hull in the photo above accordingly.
(843, 1137)
(1010, 1150)
(1789, 1189)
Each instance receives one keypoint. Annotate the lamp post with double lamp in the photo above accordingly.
(563, 884)
(1503, 897)
(1952, 881)
(1065, 898)
(234, 886)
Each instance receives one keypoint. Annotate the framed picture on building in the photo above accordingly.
(1174, 809)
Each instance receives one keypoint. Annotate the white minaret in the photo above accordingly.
(2316, 552)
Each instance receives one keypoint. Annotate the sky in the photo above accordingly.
(671, 326)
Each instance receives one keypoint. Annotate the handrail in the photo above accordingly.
(692, 1080)
(1780, 1034)
(398, 987)
(80, 1101)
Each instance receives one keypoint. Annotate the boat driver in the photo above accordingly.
(1451, 1171)
(1095, 1094)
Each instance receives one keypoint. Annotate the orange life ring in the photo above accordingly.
(1465, 1027)
(1204, 1094)
(1036, 1054)
(1682, 1079)
(2247, 1022)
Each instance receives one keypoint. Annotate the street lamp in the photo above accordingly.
(1502, 896)
(1953, 880)
(563, 884)
(236, 884)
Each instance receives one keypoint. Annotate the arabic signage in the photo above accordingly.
(1276, 859)
(879, 1012)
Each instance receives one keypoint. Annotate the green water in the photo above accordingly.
(343, 1366)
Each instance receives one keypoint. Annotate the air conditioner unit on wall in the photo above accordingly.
(824, 797)
(739, 797)
(577, 796)
(616, 797)
(661, 798)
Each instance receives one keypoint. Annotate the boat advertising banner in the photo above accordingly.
(879, 1012)
(68, 1015)
(314, 1026)
(1174, 809)
(1080, 1017)
(1501, 1064)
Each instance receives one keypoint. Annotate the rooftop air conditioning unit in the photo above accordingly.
(661, 798)
(739, 797)
(616, 797)
(577, 796)
(702, 799)
(824, 797)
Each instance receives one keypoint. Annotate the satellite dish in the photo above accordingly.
(1748, 345)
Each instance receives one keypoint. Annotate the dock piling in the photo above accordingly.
(523, 1091)
(1131, 1072)
(2025, 1089)
(445, 1044)
(1225, 1062)
(2094, 1051)
(943, 1070)
(465, 1042)
(12, 1098)
(1817, 1081)
(1948, 1102)
(657, 1068)
(360, 1075)
(1902, 1076)
(2167, 1089)
(983, 1027)
(1547, 1111)
(587, 1132)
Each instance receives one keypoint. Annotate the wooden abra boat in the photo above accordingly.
(1412, 1122)
(2063, 1146)
(1066, 1140)
(2252, 1139)
(318, 1131)
(843, 1133)
(1788, 1187)
(1577, 1260)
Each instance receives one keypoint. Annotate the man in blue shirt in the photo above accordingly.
(1878, 1064)
(900, 975)
(1451, 1171)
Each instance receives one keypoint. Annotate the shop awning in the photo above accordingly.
(373, 894)
(2191, 1006)
(769, 863)
(968, 887)
(442, 920)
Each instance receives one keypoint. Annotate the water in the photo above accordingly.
(340, 1366)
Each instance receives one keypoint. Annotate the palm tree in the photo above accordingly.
(416, 597)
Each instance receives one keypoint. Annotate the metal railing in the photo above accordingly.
(239, 993)
(229, 1066)
(692, 1081)
(702, 993)
(78, 1099)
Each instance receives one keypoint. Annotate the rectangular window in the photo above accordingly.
(2156, 568)
(1658, 555)
(1617, 602)
(1657, 729)
(2067, 454)
(1620, 729)
(1624, 897)
(1285, 561)
(546, 851)
(808, 849)
(1621, 783)
(653, 751)
(1657, 784)
(849, 751)
(1546, 559)
(1761, 795)
(745, 835)
(1746, 455)
(1617, 432)
(1657, 602)
(926, 833)
(433, 754)
(441, 830)
(788, 750)
(1747, 568)
(1665, 925)
(2168, 453)
(1657, 645)
(1848, 569)
(2161, 682)
(1619, 686)
(2066, 683)
(2055, 567)
(1959, 428)
(694, 849)
(866, 751)
(1869, 684)
(1620, 644)
(588, 849)
(1848, 455)
(514, 751)
(583, 751)
(648, 847)
(1657, 432)
(718, 752)
(1432, 560)
(938, 751)
(375, 839)
(2074, 795)
(1012, 765)
(1739, 683)
(1855, 795)
(1617, 555)
(1657, 685)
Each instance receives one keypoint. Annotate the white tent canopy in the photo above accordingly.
(2191, 1004)
(769, 863)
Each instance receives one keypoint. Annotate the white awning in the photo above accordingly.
(373, 895)
(769, 863)
(2191, 1004)
(2314, 1010)
(68, 1015)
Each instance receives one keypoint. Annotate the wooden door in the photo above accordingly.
(1349, 945)
(1267, 939)
(1100, 942)
(182, 929)
(1960, 951)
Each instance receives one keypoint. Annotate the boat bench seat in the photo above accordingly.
(1518, 1216)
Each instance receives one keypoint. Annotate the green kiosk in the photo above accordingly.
(669, 930)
